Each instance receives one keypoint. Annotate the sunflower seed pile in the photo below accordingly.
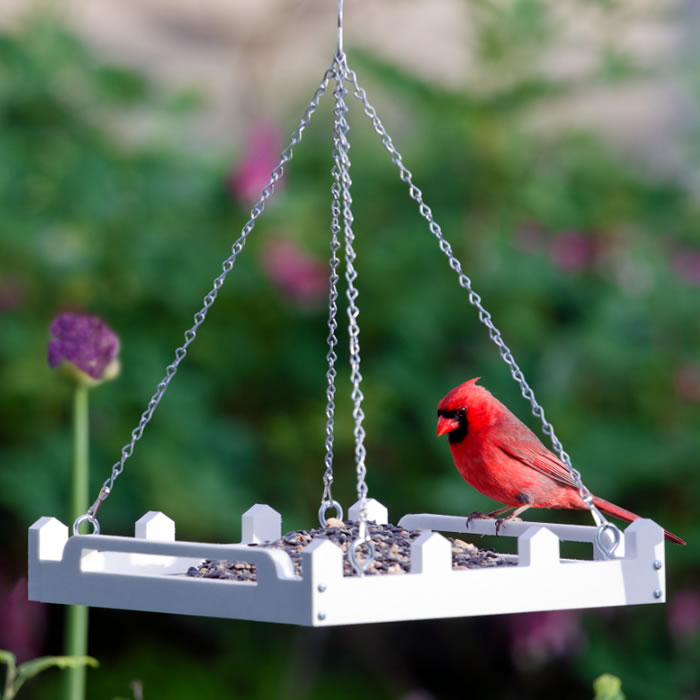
(392, 552)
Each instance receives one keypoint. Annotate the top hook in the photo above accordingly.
(340, 27)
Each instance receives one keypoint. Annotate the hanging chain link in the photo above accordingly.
(341, 207)
(353, 311)
(341, 171)
(190, 335)
(327, 500)
(608, 545)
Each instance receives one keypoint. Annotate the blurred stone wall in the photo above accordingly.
(255, 59)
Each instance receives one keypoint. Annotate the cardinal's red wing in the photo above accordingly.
(522, 444)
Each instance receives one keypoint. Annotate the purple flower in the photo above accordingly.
(572, 251)
(301, 278)
(539, 637)
(684, 614)
(22, 622)
(686, 264)
(84, 341)
(253, 172)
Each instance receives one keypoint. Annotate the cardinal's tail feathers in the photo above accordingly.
(628, 516)
(611, 509)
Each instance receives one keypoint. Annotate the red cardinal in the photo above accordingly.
(500, 456)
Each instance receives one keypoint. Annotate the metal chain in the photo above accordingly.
(209, 299)
(485, 318)
(342, 167)
(343, 164)
(332, 340)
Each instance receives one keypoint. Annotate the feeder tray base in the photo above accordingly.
(148, 572)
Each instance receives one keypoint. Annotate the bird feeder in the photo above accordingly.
(149, 570)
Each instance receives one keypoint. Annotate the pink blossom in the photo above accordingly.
(687, 382)
(572, 251)
(686, 264)
(298, 276)
(22, 622)
(539, 637)
(684, 613)
(251, 175)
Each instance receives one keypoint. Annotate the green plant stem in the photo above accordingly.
(9, 660)
(80, 483)
(77, 615)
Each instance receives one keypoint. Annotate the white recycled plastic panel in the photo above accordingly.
(147, 572)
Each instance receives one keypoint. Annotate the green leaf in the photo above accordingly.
(8, 658)
(29, 669)
(32, 668)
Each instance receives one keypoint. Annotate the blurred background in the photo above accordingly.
(558, 146)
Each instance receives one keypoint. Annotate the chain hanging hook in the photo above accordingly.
(340, 50)
(363, 540)
(91, 515)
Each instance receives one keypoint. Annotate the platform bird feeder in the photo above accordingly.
(321, 584)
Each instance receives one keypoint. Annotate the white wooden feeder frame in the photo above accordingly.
(147, 572)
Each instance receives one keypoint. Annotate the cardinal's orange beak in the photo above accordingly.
(446, 425)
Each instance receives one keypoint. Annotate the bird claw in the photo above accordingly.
(476, 515)
(508, 519)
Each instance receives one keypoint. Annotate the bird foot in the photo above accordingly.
(476, 515)
(508, 519)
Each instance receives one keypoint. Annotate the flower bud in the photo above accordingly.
(88, 346)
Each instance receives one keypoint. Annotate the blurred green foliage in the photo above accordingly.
(608, 687)
(574, 250)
